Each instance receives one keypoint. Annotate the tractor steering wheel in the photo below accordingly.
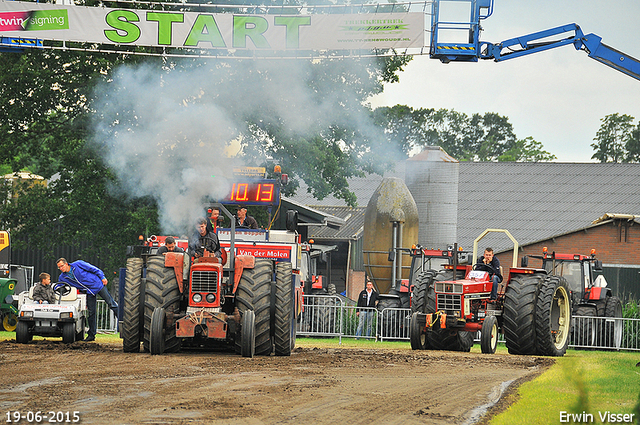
(483, 267)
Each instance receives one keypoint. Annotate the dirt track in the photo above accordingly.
(315, 386)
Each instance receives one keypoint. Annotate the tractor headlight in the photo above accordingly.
(26, 314)
(196, 298)
(66, 315)
(211, 298)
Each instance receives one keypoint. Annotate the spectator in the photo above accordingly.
(243, 220)
(169, 246)
(203, 240)
(42, 291)
(366, 303)
(491, 264)
(90, 279)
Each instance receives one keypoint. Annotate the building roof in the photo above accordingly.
(537, 201)
(353, 217)
(534, 201)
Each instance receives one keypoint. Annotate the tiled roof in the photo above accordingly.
(534, 201)
(353, 228)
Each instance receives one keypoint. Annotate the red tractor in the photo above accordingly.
(533, 309)
(590, 296)
(241, 302)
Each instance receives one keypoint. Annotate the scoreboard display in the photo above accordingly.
(254, 192)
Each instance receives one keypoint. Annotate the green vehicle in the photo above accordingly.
(8, 311)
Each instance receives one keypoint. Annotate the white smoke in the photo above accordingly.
(167, 132)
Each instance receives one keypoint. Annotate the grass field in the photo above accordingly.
(582, 381)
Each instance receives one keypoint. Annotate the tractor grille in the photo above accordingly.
(204, 281)
(455, 288)
(449, 302)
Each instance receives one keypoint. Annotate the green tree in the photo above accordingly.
(633, 145)
(487, 137)
(613, 137)
(46, 97)
(527, 150)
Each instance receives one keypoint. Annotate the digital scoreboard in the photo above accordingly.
(254, 192)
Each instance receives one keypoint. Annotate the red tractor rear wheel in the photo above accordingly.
(553, 317)
(161, 291)
(519, 313)
(284, 333)
(254, 293)
(612, 329)
(130, 325)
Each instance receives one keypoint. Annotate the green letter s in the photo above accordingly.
(132, 32)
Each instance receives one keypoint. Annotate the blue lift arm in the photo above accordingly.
(590, 43)
(472, 49)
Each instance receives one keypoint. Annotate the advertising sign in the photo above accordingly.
(202, 30)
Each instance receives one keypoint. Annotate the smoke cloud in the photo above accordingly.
(169, 132)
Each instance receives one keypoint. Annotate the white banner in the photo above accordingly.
(211, 30)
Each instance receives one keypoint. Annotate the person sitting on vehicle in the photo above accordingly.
(491, 264)
(215, 220)
(203, 240)
(42, 291)
(169, 246)
(243, 220)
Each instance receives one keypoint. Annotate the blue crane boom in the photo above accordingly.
(472, 49)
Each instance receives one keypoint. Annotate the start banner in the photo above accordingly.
(228, 31)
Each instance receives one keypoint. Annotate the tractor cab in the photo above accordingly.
(313, 259)
(578, 270)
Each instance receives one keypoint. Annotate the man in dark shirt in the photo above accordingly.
(169, 246)
(215, 219)
(203, 240)
(366, 305)
(243, 220)
(491, 264)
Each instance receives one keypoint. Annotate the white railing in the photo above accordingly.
(107, 322)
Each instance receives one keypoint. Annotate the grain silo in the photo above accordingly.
(390, 221)
(432, 179)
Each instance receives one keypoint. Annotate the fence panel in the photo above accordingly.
(107, 322)
(394, 324)
(604, 333)
(321, 316)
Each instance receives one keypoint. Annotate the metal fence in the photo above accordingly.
(107, 321)
(329, 316)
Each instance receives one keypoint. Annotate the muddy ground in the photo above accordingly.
(313, 386)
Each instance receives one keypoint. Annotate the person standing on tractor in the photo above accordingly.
(244, 220)
(204, 240)
(90, 279)
(491, 264)
(366, 305)
(42, 291)
(169, 246)
(215, 220)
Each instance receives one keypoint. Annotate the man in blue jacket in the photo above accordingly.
(90, 279)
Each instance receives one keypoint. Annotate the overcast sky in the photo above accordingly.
(558, 97)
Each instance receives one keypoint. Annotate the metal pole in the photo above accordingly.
(394, 240)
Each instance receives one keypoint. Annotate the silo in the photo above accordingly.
(391, 218)
(432, 179)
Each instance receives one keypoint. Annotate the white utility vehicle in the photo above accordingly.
(66, 317)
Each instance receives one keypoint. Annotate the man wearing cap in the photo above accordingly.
(243, 220)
